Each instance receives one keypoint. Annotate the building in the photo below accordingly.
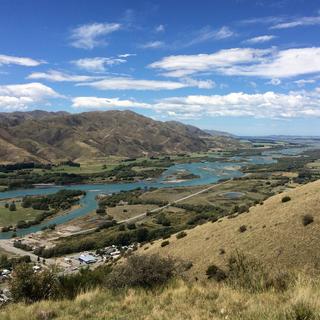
(87, 258)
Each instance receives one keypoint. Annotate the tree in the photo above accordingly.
(12, 206)
(28, 286)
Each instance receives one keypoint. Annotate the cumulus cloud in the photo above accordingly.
(236, 104)
(282, 64)
(138, 84)
(21, 96)
(260, 105)
(183, 65)
(89, 36)
(267, 63)
(97, 64)
(297, 22)
(21, 61)
(58, 76)
(260, 39)
(97, 103)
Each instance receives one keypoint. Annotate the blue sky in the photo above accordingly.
(243, 66)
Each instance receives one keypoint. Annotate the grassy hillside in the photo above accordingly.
(179, 301)
(56, 136)
(274, 234)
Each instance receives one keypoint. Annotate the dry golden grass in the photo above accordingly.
(275, 235)
(179, 301)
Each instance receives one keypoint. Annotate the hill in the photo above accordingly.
(49, 136)
(274, 235)
(177, 301)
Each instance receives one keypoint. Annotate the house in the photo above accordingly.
(122, 203)
(87, 258)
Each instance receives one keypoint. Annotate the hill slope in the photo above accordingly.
(275, 235)
(47, 136)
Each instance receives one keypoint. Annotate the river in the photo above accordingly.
(208, 172)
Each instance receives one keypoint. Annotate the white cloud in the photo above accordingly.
(89, 36)
(21, 61)
(207, 34)
(282, 64)
(183, 65)
(160, 28)
(302, 82)
(268, 63)
(137, 84)
(298, 22)
(97, 64)
(96, 103)
(20, 96)
(274, 82)
(260, 105)
(153, 45)
(260, 39)
(58, 76)
(126, 55)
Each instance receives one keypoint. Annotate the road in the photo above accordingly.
(142, 215)
(7, 245)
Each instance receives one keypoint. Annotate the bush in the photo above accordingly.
(214, 272)
(122, 227)
(142, 271)
(301, 311)
(181, 234)
(246, 273)
(165, 243)
(250, 274)
(29, 287)
(101, 211)
(307, 219)
(12, 206)
(243, 228)
(131, 226)
(285, 199)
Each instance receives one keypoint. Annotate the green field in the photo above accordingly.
(8, 217)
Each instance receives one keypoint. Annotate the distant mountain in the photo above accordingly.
(219, 133)
(54, 136)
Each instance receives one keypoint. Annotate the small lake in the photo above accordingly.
(208, 172)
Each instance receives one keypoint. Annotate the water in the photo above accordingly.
(208, 172)
(233, 194)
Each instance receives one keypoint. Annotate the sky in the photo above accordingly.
(249, 67)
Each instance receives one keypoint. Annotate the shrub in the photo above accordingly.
(285, 199)
(181, 234)
(122, 227)
(29, 287)
(163, 220)
(131, 226)
(12, 206)
(243, 228)
(301, 311)
(101, 211)
(307, 219)
(214, 272)
(165, 243)
(246, 273)
(142, 271)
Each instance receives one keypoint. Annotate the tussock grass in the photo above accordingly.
(180, 300)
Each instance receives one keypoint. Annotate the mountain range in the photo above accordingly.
(43, 136)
